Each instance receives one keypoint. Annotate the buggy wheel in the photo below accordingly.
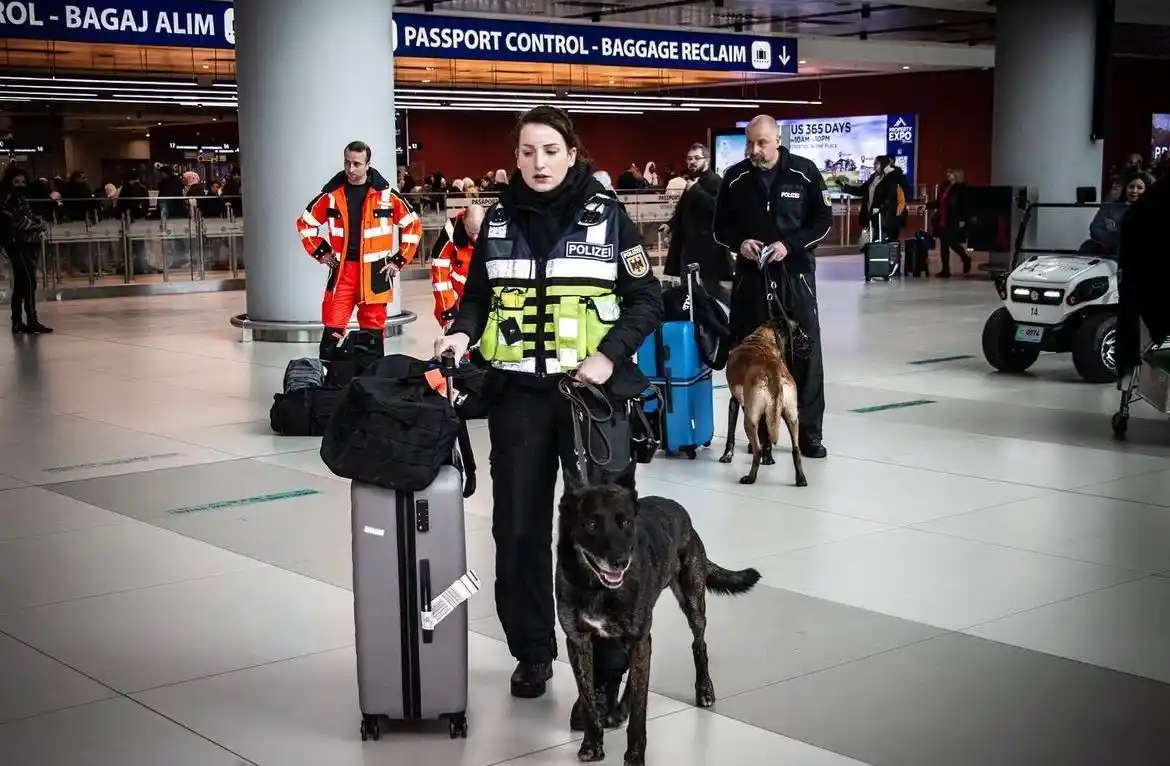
(999, 344)
(1120, 426)
(1095, 349)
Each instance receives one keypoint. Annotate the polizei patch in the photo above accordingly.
(635, 261)
(586, 250)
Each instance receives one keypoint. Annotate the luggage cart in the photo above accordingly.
(1149, 382)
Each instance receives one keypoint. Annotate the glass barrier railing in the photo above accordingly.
(92, 243)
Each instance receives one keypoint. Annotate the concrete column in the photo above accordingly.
(1044, 55)
(312, 76)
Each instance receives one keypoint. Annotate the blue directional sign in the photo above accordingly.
(211, 24)
(467, 37)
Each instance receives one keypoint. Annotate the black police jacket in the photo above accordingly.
(798, 212)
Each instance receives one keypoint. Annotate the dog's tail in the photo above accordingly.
(729, 583)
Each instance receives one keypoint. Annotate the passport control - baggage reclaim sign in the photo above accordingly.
(463, 37)
(211, 24)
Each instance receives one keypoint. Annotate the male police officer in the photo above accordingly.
(773, 210)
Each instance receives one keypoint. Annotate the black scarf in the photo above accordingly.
(544, 216)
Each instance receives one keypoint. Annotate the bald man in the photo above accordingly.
(450, 260)
(772, 211)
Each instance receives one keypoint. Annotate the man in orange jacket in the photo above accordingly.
(373, 234)
(450, 260)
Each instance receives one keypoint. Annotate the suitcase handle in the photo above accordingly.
(424, 579)
(692, 275)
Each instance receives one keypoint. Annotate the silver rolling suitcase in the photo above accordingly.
(410, 580)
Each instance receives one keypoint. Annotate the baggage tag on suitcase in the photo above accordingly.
(443, 604)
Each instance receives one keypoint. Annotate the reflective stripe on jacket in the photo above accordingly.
(449, 267)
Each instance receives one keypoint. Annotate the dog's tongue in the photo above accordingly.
(613, 578)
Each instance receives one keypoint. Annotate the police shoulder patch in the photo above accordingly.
(827, 197)
(635, 261)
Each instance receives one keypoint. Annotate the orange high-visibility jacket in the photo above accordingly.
(391, 232)
(450, 261)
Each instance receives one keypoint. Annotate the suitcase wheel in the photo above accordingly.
(688, 452)
(370, 728)
(457, 726)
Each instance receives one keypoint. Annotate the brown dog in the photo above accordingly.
(761, 384)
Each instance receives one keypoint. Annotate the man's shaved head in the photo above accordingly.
(473, 220)
(763, 141)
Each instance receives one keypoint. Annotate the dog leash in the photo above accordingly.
(799, 344)
(584, 417)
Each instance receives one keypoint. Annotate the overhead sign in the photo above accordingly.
(211, 24)
(186, 23)
(464, 37)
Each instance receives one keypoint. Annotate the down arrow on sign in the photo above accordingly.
(784, 57)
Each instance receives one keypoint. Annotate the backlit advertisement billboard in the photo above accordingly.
(839, 146)
(1160, 136)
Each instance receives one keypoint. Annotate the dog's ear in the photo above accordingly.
(569, 504)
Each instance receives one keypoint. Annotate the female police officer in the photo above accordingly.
(559, 285)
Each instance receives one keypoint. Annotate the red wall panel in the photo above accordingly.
(954, 116)
(1138, 91)
(953, 108)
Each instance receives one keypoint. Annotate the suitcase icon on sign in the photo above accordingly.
(761, 54)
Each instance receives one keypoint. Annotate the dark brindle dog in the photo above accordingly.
(616, 554)
(761, 384)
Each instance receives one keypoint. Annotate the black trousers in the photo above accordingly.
(24, 259)
(798, 295)
(948, 241)
(531, 432)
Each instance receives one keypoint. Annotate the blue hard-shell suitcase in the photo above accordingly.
(670, 359)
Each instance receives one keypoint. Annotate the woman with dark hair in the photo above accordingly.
(560, 286)
(21, 232)
(1105, 228)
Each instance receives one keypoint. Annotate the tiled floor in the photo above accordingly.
(979, 579)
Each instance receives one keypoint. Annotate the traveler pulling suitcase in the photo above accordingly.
(882, 259)
(670, 358)
(409, 578)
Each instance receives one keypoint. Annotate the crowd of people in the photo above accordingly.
(73, 199)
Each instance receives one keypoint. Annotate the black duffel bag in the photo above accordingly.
(467, 380)
(394, 433)
(304, 411)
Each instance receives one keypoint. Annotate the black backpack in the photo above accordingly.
(392, 432)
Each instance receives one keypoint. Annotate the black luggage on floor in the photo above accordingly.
(914, 255)
(304, 411)
(882, 259)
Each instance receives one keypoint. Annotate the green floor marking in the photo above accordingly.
(893, 406)
(107, 463)
(937, 359)
(239, 502)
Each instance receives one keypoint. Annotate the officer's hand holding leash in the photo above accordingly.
(596, 369)
(390, 270)
(331, 260)
(751, 248)
(456, 344)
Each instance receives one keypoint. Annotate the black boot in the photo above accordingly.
(811, 447)
(530, 679)
(330, 337)
(36, 328)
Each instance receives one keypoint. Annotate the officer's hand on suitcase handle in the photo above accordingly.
(751, 248)
(455, 344)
